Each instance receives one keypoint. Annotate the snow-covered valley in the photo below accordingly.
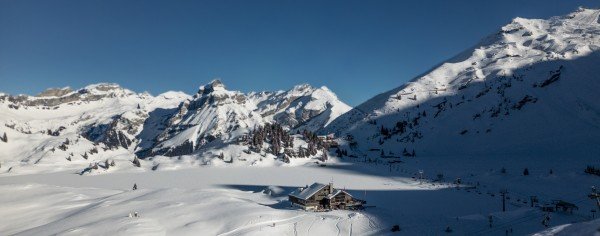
(253, 201)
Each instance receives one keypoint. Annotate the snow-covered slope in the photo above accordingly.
(591, 228)
(64, 128)
(61, 128)
(220, 117)
(213, 113)
(531, 89)
(302, 107)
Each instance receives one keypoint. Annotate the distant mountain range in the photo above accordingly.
(104, 120)
(530, 89)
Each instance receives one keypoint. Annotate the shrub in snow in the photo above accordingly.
(136, 162)
(592, 170)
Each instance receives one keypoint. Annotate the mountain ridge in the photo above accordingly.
(506, 73)
(65, 127)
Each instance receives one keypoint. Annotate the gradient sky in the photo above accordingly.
(356, 48)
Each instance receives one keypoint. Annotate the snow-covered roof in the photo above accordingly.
(305, 193)
(337, 191)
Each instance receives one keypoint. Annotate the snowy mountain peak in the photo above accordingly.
(214, 85)
(495, 97)
(302, 87)
(55, 92)
(583, 15)
(216, 115)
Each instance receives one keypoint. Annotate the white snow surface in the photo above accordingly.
(302, 107)
(591, 228)
(530, 89)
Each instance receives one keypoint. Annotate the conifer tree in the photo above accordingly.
(136, 162)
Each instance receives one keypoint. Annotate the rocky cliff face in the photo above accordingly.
(171, 124)
(217, 114)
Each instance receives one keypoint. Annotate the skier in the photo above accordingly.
(134, 186)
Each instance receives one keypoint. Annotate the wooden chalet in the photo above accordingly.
(319, 196)
(329, 140)
(564, 206)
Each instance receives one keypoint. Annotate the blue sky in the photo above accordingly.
(356, 48)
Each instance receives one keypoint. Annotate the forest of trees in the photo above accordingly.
(592, 170)
(281, 142)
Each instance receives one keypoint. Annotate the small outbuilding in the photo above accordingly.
(324, 197)
(564, 206)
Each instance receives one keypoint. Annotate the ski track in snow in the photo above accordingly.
(248, 228)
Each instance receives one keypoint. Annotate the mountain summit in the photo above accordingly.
(529, 89)
(217, 114)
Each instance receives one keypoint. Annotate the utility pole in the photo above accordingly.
(533, 199)
(503, 193)
(595, 195)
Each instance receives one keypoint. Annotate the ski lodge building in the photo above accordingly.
(324, 197)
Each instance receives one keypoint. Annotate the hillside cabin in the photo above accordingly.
(564, 206)
(329, 140)
(318, 197)
(326, 137)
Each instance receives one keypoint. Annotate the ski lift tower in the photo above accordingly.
(595, 195)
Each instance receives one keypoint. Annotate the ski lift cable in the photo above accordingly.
(508, 223)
